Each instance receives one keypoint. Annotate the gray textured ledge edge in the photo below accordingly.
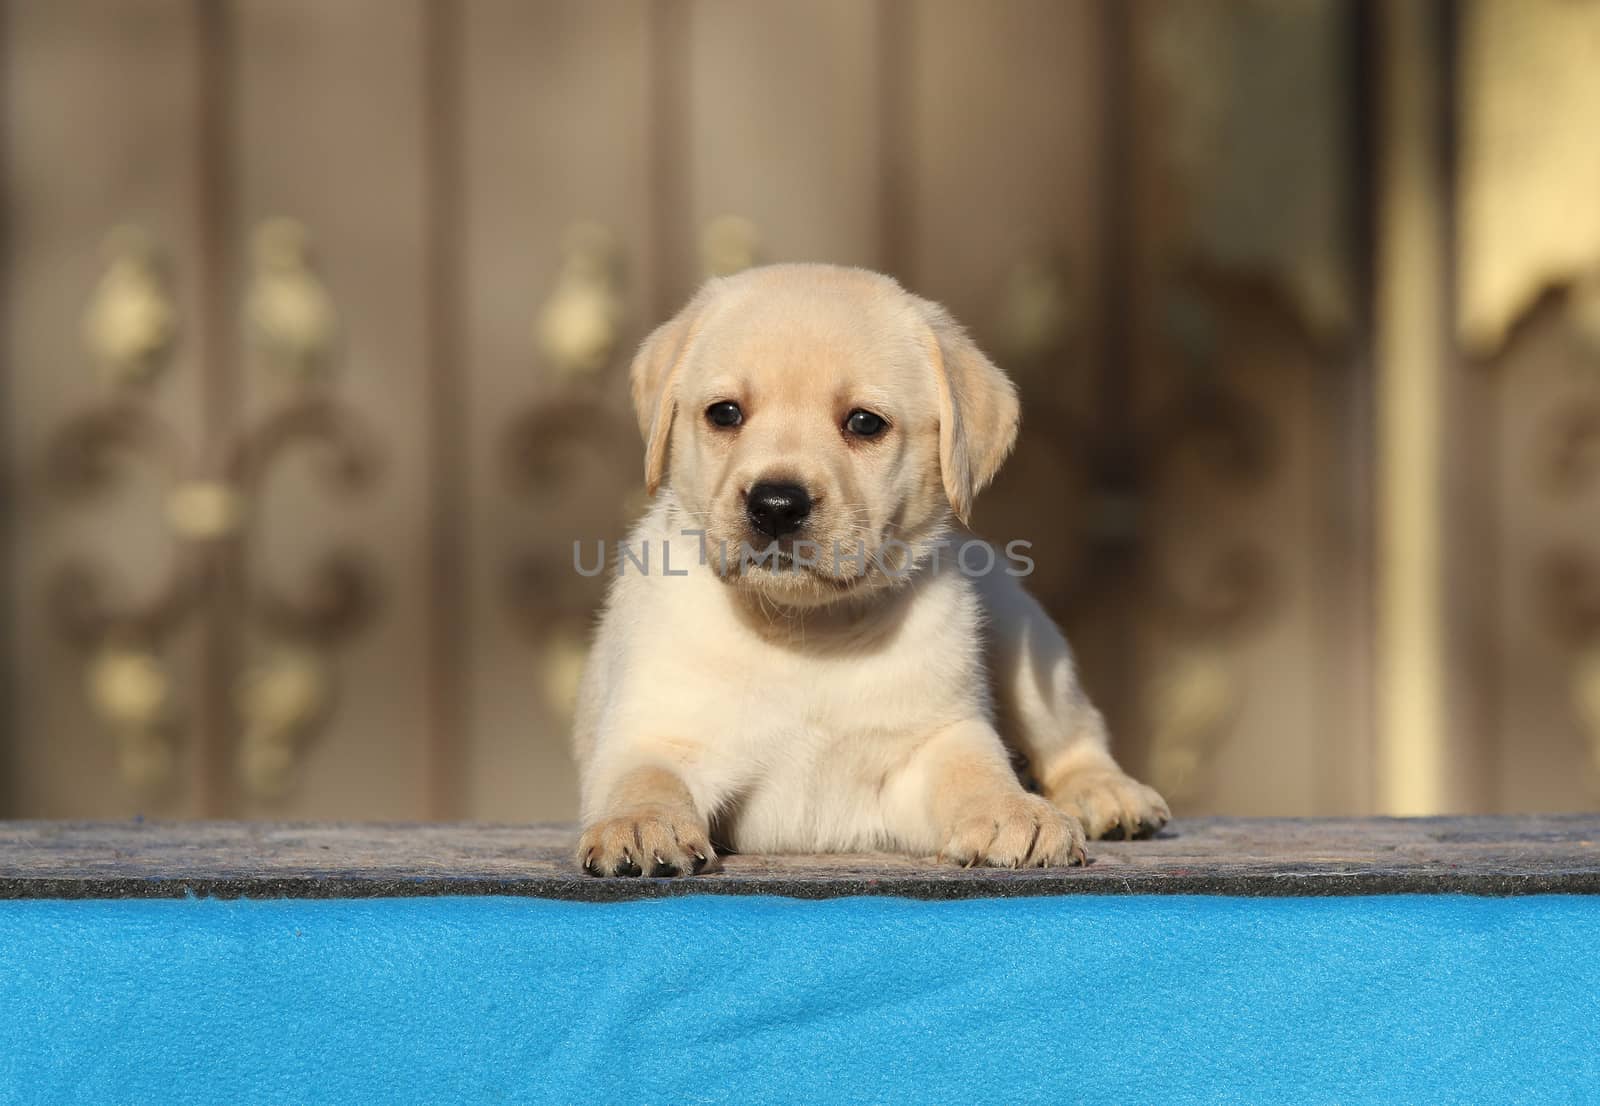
(1523, 855)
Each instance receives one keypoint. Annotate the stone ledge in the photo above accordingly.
(1522, 855)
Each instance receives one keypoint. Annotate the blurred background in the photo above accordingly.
(317, 317)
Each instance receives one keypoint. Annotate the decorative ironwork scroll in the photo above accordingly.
(1119, 476)
(1569, 576)
(578, 326)
(1570, 586)
(1529, 187)
(1247, 112)
(1529, 167)
(1257, 126)
(562, 456)
(131, 328)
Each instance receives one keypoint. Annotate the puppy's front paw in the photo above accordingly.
(1111, 804)
(1020, 831)
(647, 842)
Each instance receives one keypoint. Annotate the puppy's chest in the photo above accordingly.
(810, 695)
(810, 765)
(843, 705)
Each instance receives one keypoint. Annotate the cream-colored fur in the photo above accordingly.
(819, 703)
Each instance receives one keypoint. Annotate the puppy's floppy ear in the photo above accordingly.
(654, 376)
(978, 409)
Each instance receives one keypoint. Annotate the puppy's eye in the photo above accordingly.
(864, 424)
(725, 415)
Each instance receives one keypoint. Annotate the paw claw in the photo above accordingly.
(651, 840)
(1023, 831)
(1112, 806)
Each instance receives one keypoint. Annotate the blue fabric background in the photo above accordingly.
(1077, 999)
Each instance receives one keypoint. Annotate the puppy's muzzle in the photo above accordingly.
(777, 510)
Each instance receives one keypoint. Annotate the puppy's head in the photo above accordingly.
(822, 417)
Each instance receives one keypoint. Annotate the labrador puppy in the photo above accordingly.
(802, 650)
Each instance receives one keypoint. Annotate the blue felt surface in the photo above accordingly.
(1136, 999)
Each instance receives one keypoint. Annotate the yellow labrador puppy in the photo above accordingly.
(802, 651)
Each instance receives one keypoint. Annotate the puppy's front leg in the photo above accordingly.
(1044, 710)
(979, 813)
(647, 825)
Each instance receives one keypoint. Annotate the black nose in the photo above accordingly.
(777, 510)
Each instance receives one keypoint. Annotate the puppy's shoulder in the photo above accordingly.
(661, 546)
(943, 605)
